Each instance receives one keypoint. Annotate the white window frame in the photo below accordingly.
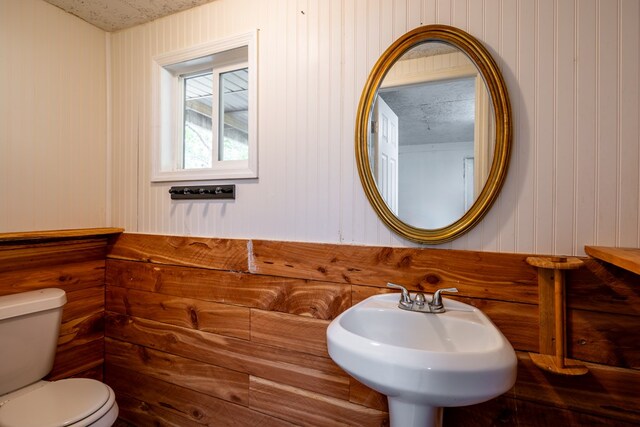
(167, 110)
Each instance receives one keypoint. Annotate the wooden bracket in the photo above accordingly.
(552, 306)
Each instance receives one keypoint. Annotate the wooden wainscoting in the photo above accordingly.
(72, 260)
(232, 332)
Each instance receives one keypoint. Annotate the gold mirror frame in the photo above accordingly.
(502, 113)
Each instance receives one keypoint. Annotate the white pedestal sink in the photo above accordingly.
(422, 361)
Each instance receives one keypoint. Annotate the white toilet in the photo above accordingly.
(29, 327)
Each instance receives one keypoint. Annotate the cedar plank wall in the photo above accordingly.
(232, 332)
(76, 264)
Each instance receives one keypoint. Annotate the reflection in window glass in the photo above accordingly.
(234, 115)
(197, 121)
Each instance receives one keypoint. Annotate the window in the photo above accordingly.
(205, 117)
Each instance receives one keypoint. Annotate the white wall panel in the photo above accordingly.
(52, 119)
(571, 67)
(629, 125)
(607, 124)
(544, 125)
(586, 122)
(509, 27)
(564, 127)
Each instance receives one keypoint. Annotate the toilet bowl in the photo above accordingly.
(29, 326)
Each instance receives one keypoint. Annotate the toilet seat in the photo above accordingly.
(69, 402)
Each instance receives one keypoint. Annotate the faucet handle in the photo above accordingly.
(436, 301)
(405, 298)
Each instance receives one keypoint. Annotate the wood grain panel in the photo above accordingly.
(627, 258)
(306, 408)
(18, 257)
(205, 316)
(290, 332)
(307, 298)
(68, 276)
(500, 411)
(183, 402)
(205, 378)
(361, 293)
(285, 366)
(82, 329)
(473, 273)
(218, 254)
(603, 287)
(56, 235)
(507, 411)
(595, 288)
(285, 351)
(518, 322)
(72, 359)
(96, 373)
(603, 338)
(140, 413)
(363, 395)
(546, 311)
(83, 302)
(605, 391)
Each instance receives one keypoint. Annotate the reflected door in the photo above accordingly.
(386, 147)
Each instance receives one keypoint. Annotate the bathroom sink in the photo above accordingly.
(422, 361)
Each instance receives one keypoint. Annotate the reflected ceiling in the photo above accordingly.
(435, 112)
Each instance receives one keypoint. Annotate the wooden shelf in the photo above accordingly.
(552, 315)
(627, 258)
(38, 236)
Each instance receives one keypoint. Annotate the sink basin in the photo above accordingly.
(422, 361)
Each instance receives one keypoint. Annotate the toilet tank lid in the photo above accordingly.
(31, 302)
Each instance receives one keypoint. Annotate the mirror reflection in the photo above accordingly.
(431, 135)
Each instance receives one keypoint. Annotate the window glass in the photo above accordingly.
(197, 121)
(234, 111)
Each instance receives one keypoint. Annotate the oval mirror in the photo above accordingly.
(433, 134)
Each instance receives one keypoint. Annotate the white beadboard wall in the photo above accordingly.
(572, 68)
(53, 119)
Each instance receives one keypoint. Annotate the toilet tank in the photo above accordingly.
(29, 328)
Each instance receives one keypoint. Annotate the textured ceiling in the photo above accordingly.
(434, 112)
(114, 15)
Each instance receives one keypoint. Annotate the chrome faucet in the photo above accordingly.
(436, 302)
(405, 298)
(419, 303)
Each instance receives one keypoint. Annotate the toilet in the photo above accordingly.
(29, 327)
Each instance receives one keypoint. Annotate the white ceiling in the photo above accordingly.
(114, 15)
